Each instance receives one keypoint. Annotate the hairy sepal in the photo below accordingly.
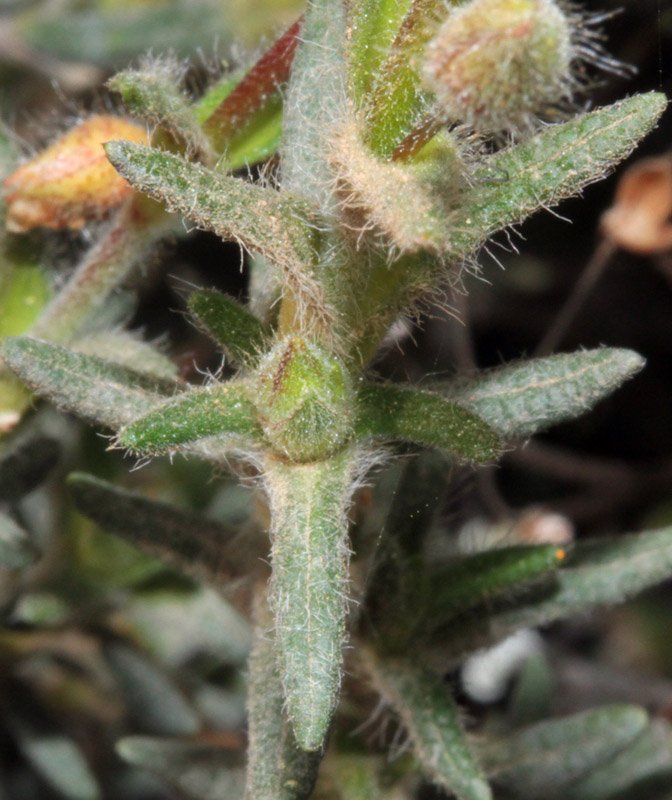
(308, 590)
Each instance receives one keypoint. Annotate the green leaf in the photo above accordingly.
(316, 101)
(24, 291)
(90, 387)
(432, 721)
(648, 758)
(522, 398)
(555, 164)
(473, 580)
(25, 464)
(195, 546)
(277, 769)
(17, 549)
(126, 350)
(373, 25)
(153, 94)
(242, 336)
(598, 572)
(152, 701)
(263, 220)
(542, 760)
(400, 413)
(308, 588)
(196, 769)
(224, 409)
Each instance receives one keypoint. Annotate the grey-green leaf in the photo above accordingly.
(24, 464)
(524, 397)
(308, 587)
(598, 572)
(402, 413)
(128, 351)
(542, 760)
(555, 164)
(277, 769)
(193, 545)
(242, 336)
(220, 410)
(432, 721)
(152, 700)
(90, 387)
(17, 549)
(261, 219)
(196, 769)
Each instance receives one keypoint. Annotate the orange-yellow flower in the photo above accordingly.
(71, 182)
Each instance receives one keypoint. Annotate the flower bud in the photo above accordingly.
(496, 64)
(71, 181)
(304, 400)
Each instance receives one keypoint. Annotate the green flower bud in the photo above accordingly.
(497, 64)
(304, 400)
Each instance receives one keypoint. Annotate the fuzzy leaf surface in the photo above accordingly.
(277, 769)
(220, 410)
(308, 588)
(193, 545)
(542, 760)
(100, 392)
(432, 721)
(398, 413)
(126, 350)
(522, 398)
(198, 770)
(242, 336)
(555, 164)
(598, 572)
(262, 220)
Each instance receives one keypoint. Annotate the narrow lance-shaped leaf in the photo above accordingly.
(17, 549)
(308, 590)
(242, 336)
(262, 220)
(128, 351)
(277, 769)
(198, 770)
(476, 579)
(555, 164)
(432, 721)
(90, 387)
(401, 413)
(545, 758)
(220, 410)
(24, 464)
(598, 572)
(522, 398)
(193, 545)
(153, 94)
